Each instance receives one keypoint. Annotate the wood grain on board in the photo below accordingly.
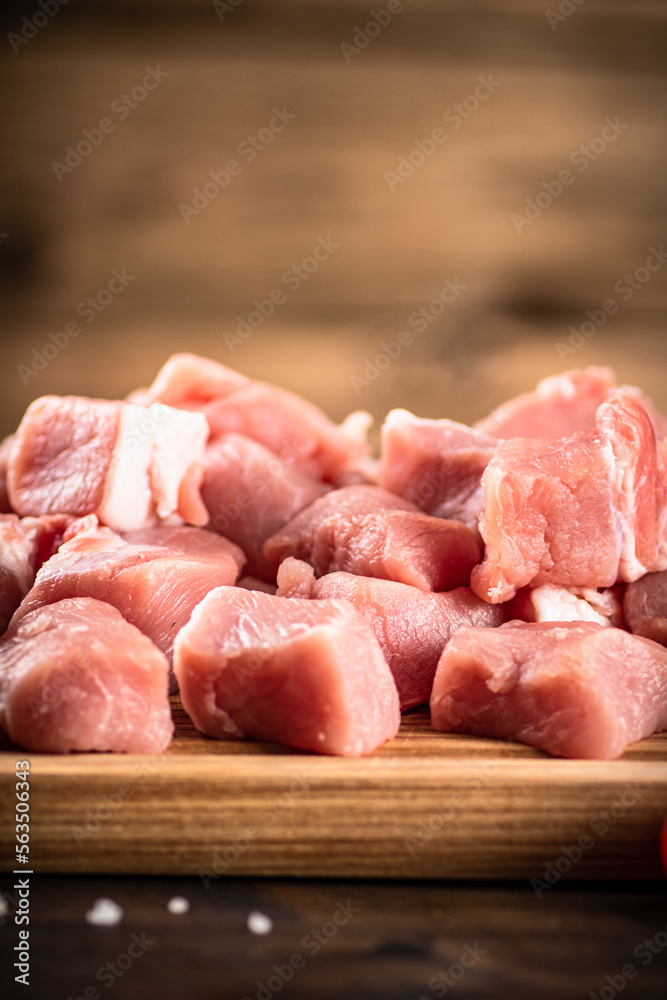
(425, 805)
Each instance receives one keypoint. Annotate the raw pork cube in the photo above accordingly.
(296, 430)
(25, 543)
(583, 511)
(561, 405)
(412, 626)
(250, 494)
(309, 674)
(130, 465)
(645, 606)
(369, 532)
(435, 464)
(575, 689)
(76, 676)
(155, 581)
(550, 603)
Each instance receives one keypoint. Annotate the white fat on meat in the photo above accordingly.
(154, 450)
(131, 465)
(127, 502)
(550, 603)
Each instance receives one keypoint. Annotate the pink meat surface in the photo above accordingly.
(309, 674)
(250, 494)
(583, 511)
(561, 405)
(76, 676)
(195, 542)
(25, 543)
(645, 606)
(412, 626)
(130, 465)
(369, 532)
(296, 430)
(435, 464)
(5, 448)
(155, 582)
(550, 603)
(574, 689)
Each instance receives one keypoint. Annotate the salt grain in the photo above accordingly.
(259, 923)
(104, 913)
(178, 904)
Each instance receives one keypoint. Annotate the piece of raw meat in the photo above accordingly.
(129, 465)
(369, 532)
(562, 405)
(583, 511)
(550, 603)
(575, 689)
(412, 626)
(645, 606)
(435, 464)
(155, 581)
(295, 429)
(76, 676)
(250, 494)
(308, 674)
(5, 448)
(25, 543)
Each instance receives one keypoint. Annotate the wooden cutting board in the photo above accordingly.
(426, 805)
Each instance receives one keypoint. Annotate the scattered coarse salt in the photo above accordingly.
(178, 904)
(104, 913)
(259, 923)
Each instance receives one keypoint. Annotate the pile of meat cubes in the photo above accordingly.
(222, 536)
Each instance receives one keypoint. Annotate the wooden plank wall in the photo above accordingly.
(550, 88)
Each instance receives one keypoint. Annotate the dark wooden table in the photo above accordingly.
(346, 939)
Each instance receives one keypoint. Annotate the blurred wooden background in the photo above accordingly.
(323, 177)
